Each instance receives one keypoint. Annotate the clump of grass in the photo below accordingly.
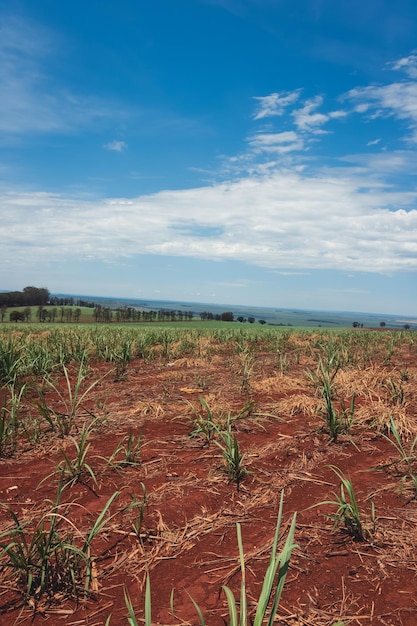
(51, 558)
(233, 459)
(407, 458)
(11, 361)
(274, 579)
(396, 391)
(71, 399)
(269, 598)
(283, 362)
(76, 469)
(9, 420)
(347, 512)
(203, 423)
(121, 356)
(132, 620)
(127, 452)
(140, 505)
(338, 421)
(31, 430)
(245, 370)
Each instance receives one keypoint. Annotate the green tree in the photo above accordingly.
(27, 311)
(17, 316)
(36, 296)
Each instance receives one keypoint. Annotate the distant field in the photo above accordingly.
(272, 317)
(150, 449)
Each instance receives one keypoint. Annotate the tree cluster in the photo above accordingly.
(228, 316)
(30, 296)
(70, 301)
(131, 314)
(219, 317)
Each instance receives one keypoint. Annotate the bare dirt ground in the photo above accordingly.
(187, 540)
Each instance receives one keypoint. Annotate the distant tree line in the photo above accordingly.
(60, 310)
(218, 317)
(131, 314)
(69, 301)
(40, 297)
(30, 296)
(227, 316)
(52, 314)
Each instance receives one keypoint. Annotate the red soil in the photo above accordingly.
(189, 530)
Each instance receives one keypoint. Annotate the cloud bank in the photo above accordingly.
(278, 215)
(284, 221)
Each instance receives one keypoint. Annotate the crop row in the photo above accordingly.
(52, 556)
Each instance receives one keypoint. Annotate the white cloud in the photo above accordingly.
(336, 115)
(276, 142)
(307, 118)
(408, 65)
(283, 221)
(116, 146)
(397, 99)
(275, 103)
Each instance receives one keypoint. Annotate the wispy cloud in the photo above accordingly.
(397, 99)
(380, 167)
(31, 100)
(307, 118)
(275, 103)
(276, 142)
(408, 65)
(116, 146)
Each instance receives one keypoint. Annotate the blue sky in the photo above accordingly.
(257, 152)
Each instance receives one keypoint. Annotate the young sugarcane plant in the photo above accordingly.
(274, 579)
(50, 557)
(122, 357)
(9, 420)
(127, 452)
(347, 510)
(139, 505)
(76, 469)
(203, 423)
(71, 399)
(232, 456)
(11, 361)
(337, 421)
(245, 370)
(407, 458)
(269, 598)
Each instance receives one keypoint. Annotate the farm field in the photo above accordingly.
(131, 454)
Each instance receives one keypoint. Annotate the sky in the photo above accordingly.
(252, 152)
